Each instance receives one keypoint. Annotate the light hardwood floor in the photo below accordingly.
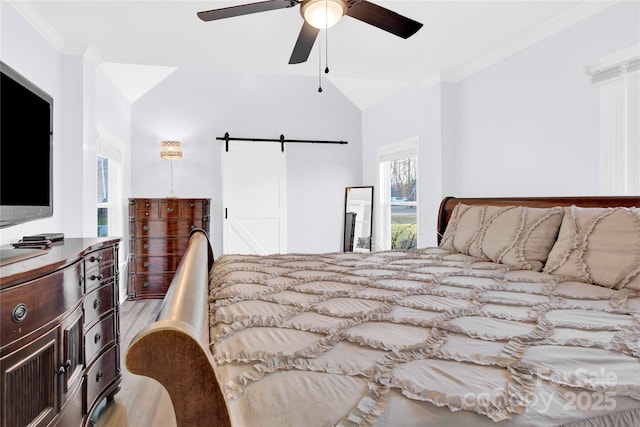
(141, 402)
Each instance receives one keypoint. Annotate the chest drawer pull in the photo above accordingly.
(145, 285)
(146, 264)
(145, 227)
(95, 259)
(169, 209)
(96, 304)
(97, 338)
(19, 312)
(146, 246)
(95, 277)
(99, 376)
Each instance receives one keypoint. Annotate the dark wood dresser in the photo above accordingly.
(159, 232)
(59, 335)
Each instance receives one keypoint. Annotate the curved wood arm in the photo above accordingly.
(174, 350)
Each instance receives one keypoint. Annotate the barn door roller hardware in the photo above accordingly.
(226, 138)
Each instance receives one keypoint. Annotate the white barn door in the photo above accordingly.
(254, 196)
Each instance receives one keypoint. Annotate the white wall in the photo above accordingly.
(525, 126)
(529, 125)
(83, 99)
(195, 106)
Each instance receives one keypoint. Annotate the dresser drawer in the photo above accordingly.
(193, 208)
(100, 375)
(143, 208)
(150, 285)
(98, 277)
(164, 228)
(27, 307)
(169, 209)
(150, 246)
(98, 258)
(98, 337)
(98, 302)
(158, 264)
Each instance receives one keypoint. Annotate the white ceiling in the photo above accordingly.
(139, 42)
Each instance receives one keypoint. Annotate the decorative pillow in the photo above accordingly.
(518, 236)
(464, 224)
(599, 246)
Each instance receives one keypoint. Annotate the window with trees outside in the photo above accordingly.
(109, 191)
(398, 209)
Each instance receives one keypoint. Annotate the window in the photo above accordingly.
(397, 205)
(109, 206)
(619, 79)
(104, 203)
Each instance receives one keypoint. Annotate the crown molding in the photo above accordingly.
(40, 24)
(572, 16)
(35, 18)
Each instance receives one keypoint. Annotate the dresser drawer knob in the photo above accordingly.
(145, 227)
(145, 284)
(146, 205)
(96, 304)
(19, 312)
(146, 213)
(97, 338)
(96, 277)
(146, 246)
(95, 259)
(99, 376)
(169, 209)
(146, 264)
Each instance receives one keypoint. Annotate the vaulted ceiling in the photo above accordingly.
(139, 42)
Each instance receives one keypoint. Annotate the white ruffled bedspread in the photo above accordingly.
(420, 338)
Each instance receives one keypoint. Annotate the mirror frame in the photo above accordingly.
(350, 237)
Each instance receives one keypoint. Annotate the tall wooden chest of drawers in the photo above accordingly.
(158, 236)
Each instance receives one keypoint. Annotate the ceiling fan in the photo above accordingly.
(320, 14)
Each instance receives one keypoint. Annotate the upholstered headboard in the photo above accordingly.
(448, 203)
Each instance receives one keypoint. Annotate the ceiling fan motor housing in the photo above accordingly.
(322, 13)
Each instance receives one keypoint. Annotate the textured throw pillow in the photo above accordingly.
(518, 236)
(466, 221)
(599, 246)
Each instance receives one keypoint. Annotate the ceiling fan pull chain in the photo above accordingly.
(320, 67)
(326, 37)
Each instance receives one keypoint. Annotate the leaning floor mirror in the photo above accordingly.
(358, 216)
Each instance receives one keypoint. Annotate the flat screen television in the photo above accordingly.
(26, 149)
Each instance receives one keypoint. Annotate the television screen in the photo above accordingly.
(26, 125)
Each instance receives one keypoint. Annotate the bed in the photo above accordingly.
(527, 313)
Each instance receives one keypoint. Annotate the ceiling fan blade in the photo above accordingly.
(304, 44)
(382, 18)
(245, 9)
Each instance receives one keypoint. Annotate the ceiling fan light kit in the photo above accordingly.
(323, 13)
